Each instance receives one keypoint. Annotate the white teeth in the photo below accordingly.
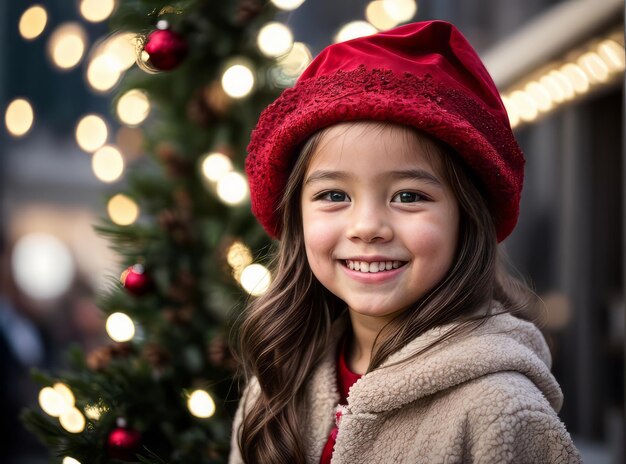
(373, 267)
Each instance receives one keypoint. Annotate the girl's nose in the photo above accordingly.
(369, 226)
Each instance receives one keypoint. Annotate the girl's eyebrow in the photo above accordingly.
(419, 174)
(320, 175)
(410, 174)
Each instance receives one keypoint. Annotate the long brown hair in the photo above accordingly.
(286, 331)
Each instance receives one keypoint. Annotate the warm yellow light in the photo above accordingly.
(103, 73)
(67, 45)
(400, 10)
(564, 84)
(238, 257)
(19, 117)
(69, 460)
(96, 10)
(107, 163)
(93, 412)
(201, 404)
(354, 30)
(576, 76)
(32, 22)
(255, 279)
(377, 15)
(120, 327)
(511, 111)
(122, 47)
(65, 392)
(287, 5)
(553, 88)
(215, 166)
(72, 420)
(594, 67)
(525, 105)
(539, 95)
(133, 107)
(275, 39)
(238, 81)
(296, 61)
(52, 402)
(122, 210)
(612, 53)
(91, 132)
(232, 188)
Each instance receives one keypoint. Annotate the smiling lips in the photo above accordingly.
(374, 266)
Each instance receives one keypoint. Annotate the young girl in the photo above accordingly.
(389, 173)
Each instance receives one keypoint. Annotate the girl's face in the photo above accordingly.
(380, 222)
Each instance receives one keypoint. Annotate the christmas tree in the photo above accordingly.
(163, 390)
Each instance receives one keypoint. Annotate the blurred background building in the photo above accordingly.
(560, 67)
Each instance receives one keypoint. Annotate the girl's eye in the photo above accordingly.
(334, 196)
(408, 197)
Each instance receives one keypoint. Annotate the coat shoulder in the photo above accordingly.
(508, 419)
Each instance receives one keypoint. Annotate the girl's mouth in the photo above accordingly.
(373, 267)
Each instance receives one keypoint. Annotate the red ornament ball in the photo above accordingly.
(166, 49)
(136, 280)
(123, 444)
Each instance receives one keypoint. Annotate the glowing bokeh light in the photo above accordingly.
(122, 210)
(133, 107)
(612, 53)
(275, 39)
(255, 279)
(238, 255)
(69, 460)
(554, 89)
(52, 402)
(120, 327)
(67, 45)
(595, 68)
(511, 111)
(377, 15)
(65, 392)
(287, 5)
(564, 84)
(42, 266)
(107, 164)
(93, 412)
(33, 22)
(201, 404)
(232, 188)
(96, 11)
(353, 30)
(215, 166)
(103, 73)
(122, 47)
(296, 61)
(526, 108)
(91, 132)
(400, 10)
(238, 80)
(576, 76)
(72, 420)
(539, 95)
(19, 117)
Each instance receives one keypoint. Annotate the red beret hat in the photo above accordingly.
(424, 75)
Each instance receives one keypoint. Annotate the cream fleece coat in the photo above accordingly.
(484, 397)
